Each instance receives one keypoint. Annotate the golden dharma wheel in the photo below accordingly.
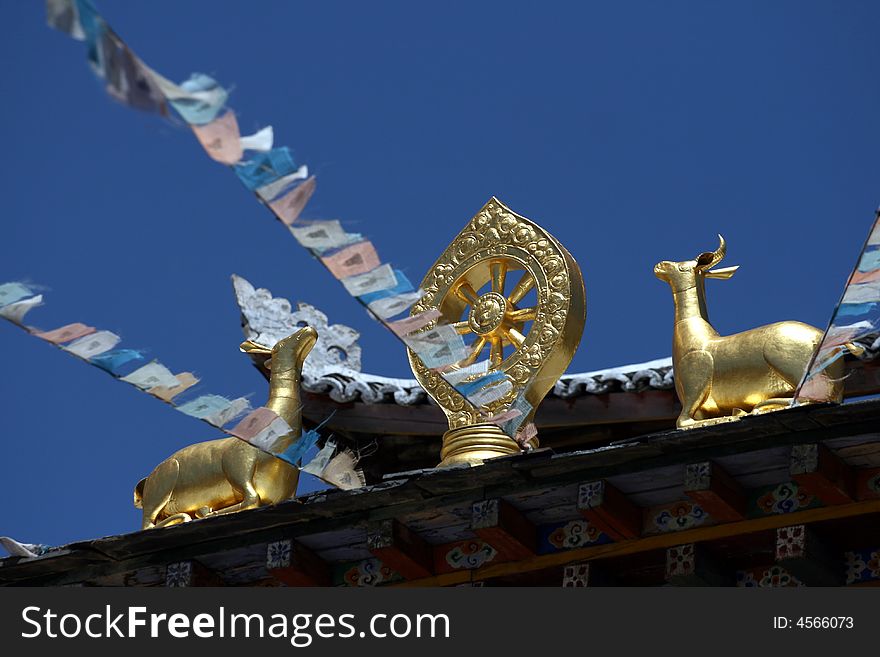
(516, 296)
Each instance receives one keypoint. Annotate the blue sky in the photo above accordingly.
(633, 131)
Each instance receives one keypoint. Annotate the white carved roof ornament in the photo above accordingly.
(266, 320)
(334, 366)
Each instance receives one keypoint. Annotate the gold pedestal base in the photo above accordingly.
(477, 443)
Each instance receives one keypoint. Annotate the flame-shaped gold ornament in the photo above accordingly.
(507, 286)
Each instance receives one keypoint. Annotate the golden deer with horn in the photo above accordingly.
(229, 474)
(719, 377)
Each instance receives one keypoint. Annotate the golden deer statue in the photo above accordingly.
(719, 378)
(229, 474)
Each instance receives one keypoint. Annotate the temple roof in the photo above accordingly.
(336, 536)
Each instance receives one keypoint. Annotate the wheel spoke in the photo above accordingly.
(466, 293)
(526, 283)
(499, 273)
(516, 338)
(522, 315)
(475, 351)
(462, 328)
(496, 353)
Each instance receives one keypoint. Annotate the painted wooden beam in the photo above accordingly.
(190, 573)
(822, 473)
(654, 542)
(805, 556)
(295, 565)
(401, 549)
(609, 510)
(691, 564)
(587, 574)
(505, 528)
(867, 483)
(715, 491)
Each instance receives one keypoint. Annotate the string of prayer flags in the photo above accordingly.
(271, 173)
(855, 317)
(262, 427)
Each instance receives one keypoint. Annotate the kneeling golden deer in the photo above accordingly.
(719, 377)
(228, 475)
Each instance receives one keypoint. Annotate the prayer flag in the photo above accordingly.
(165, 393)
(870, 260)
(863, 293)
(128, 80)
(12, 292)
(63, 16)
(259, 141)
(439, 346)
(93, 344)
(402, 286)
(265, 168)
(406, 326)
(358, 258)
(322, 458)
(198, 100)
(275, 189)
(320, 235)
(254, 422)
(151, 375)
(269, 437)
(214, 409)
(380, 278)
(65, 333)
(388, 307)
(302, 445)
(111, 361)
(288, 207)
(16, 311)
(220, 139)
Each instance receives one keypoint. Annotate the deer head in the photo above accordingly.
(689, 273)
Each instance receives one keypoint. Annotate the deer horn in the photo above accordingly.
(709, 259)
